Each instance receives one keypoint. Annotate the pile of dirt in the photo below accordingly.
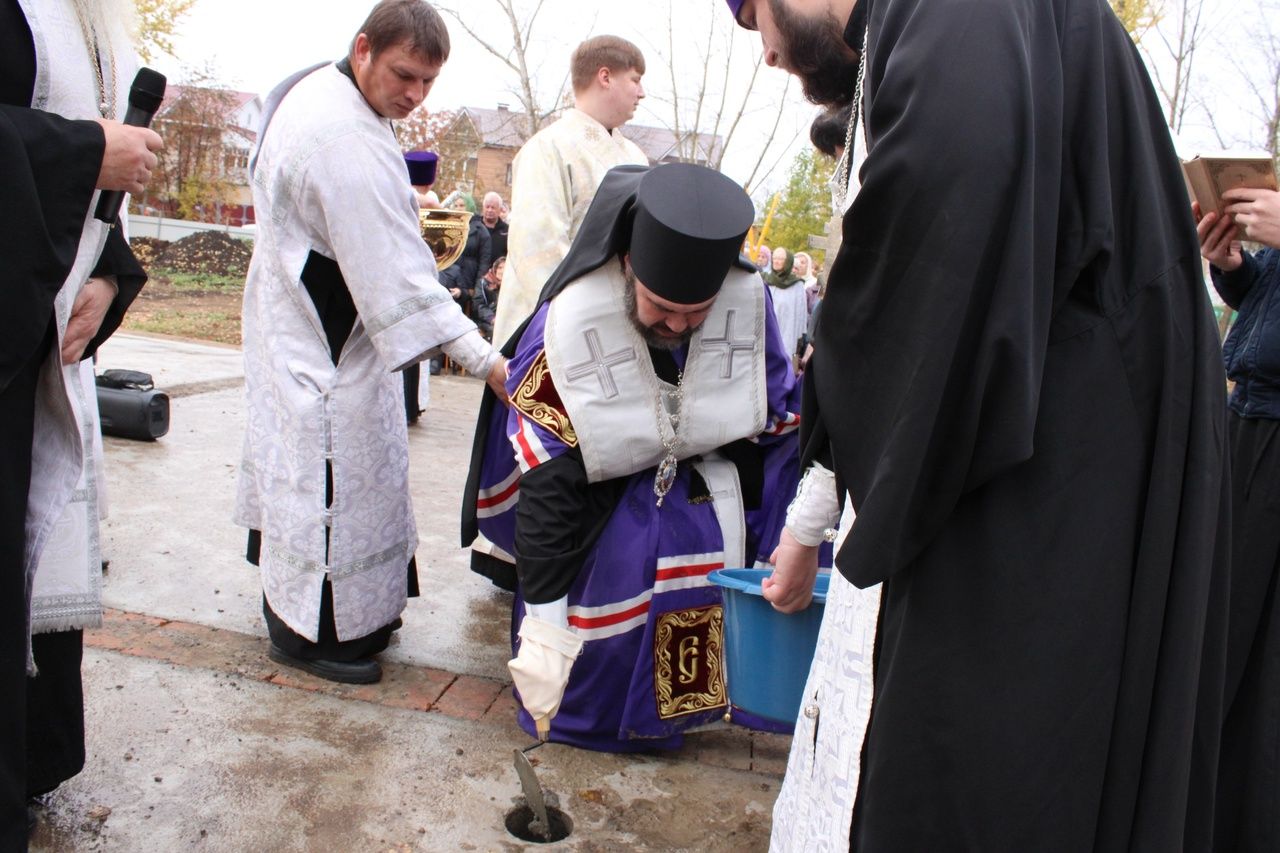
(147, 249)
(210, 252)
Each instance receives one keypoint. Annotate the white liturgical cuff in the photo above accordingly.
(815, 510)
(553, 612)
(473, 352)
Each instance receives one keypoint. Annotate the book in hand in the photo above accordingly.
(1209, 177)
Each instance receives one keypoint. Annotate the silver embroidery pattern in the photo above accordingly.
(409, 307)
(601, 364)
(730, 345)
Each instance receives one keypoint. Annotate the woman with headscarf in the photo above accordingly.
(804, 270)
(790, 305)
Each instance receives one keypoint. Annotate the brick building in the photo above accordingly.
(477, 148)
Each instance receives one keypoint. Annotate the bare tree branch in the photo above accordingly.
(749, 183)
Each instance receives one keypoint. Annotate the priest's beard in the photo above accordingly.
(651, 337)
(814, 50)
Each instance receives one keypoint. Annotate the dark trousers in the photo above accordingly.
(17, 424)
(1247, 817)
(327, 645)
(55, 712)
(412, 408)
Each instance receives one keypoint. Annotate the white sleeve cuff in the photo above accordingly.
(553, 612)
(473, 352)
(815, 510)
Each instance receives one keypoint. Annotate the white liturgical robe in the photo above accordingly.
(554, 178)
(62, 554)
(329, 180)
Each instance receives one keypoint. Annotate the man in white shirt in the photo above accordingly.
(341, 293)
(556, 173)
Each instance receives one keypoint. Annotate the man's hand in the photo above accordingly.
(1218, 244)
(129, 156)
(497, 379)
(795, 567)
(86, 316)
(1258, 211)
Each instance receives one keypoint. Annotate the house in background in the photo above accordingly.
(203, 174)
(478, 146)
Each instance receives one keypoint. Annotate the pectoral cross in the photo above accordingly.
(600, 364)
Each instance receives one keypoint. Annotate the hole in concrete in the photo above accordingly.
(520, 819)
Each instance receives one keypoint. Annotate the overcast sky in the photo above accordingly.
(252, 44)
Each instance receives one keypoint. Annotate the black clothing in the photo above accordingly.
(17, 426)
(1248, 811)
(465, 272)
(484, 307)
(48, 166)
(327, 646)
(1252, 349)
(1016, 367)
(322, 277)
(497, 243)
(55, 712)
(412, 406)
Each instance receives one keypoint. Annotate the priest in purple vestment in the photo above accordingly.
(650, 439)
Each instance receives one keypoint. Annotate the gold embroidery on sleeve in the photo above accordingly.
(537, 399)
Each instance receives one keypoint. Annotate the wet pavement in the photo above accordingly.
(196, 740)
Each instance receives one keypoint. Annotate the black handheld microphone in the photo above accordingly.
(144, 99)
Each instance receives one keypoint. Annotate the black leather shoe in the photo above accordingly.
(397, 624)
(347, 672)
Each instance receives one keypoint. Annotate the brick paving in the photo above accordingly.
(470, 698)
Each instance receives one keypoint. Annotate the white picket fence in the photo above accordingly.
(175, 229)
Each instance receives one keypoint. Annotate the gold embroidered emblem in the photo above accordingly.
(538, 400)
(688, 673)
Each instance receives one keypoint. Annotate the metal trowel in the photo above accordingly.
(533, 793)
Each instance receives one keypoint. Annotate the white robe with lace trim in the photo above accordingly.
(329, 178)
(554, 178)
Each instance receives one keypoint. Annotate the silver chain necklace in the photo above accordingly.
(665, 478)
(106, 96)
(845, 166)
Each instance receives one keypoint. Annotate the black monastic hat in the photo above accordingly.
(682, 224)
(687, 231)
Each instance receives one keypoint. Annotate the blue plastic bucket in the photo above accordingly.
(767, 653)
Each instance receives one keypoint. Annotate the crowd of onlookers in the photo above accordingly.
(794, 285)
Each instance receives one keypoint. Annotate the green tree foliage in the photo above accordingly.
(157, 21)
(1138, 16)
(805, 205)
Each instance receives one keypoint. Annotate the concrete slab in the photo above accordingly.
(185, 758)
(174, 552)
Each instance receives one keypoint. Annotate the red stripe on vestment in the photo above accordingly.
(686, 571)
(611, 619)
(530, 458)
(484, 503)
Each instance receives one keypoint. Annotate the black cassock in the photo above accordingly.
(48, 168)
(1018, 381)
